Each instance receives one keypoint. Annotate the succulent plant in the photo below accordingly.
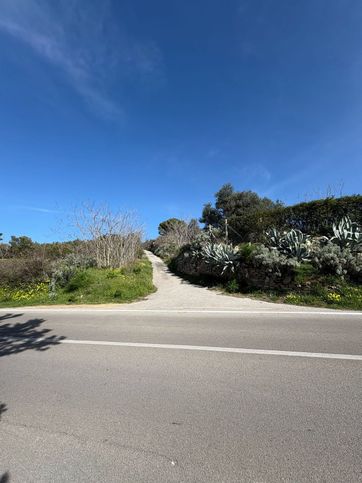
(347, 233)
(222, 255)
(293, 243)
(275, 237)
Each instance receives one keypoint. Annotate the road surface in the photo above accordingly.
(94, 412)
(193, 394)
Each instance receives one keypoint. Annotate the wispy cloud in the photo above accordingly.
(254, 173)
(85, 43)
(37, 209)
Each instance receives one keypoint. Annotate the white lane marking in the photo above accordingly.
(234, 350)
(181, 311)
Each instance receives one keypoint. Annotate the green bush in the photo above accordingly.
(331, 259)
(65, 268)
(246, 250)
(81, 279)
(112, 273)
(232, 286)
(272, 263)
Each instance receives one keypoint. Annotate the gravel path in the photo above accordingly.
(175, 293)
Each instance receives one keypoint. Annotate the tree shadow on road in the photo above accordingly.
(5, 477)
(22, 336)
(3, 408)
(18, 337)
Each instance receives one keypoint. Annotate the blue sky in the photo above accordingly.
(152, 106)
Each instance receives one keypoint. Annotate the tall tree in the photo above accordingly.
(239, 208)
(172, 223)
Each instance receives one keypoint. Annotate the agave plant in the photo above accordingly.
(222, 255)
(205, 237)
(347, 233)
(275, 238)
(297, 245)
(293, 243)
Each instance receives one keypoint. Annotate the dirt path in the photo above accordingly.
(175, 293)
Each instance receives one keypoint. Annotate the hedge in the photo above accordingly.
(314, 217)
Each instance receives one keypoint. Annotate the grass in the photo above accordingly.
(314, 290)
(332, 293)
(89, 286)
(344, 296)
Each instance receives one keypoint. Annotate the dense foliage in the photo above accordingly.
(313, 217)
(234, 212)
(249, 215)
(300, 265)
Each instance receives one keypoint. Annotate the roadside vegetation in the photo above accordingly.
(106, 264)
(307, 254)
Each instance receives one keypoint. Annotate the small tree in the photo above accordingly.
(21, 246)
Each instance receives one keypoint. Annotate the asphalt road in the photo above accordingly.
(93, 412)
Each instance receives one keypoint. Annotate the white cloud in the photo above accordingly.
(254, 173)
(85, 43)
(38, 209)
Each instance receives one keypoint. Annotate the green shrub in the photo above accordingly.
(273, 262)
(331, 259)
(81, 279)
(246, 250)
(112, 273)
(65, 268)
(232, 286)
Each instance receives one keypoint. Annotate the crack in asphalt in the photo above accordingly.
(105, 442)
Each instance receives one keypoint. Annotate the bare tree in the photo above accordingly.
(179, 234)
(112, 238)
